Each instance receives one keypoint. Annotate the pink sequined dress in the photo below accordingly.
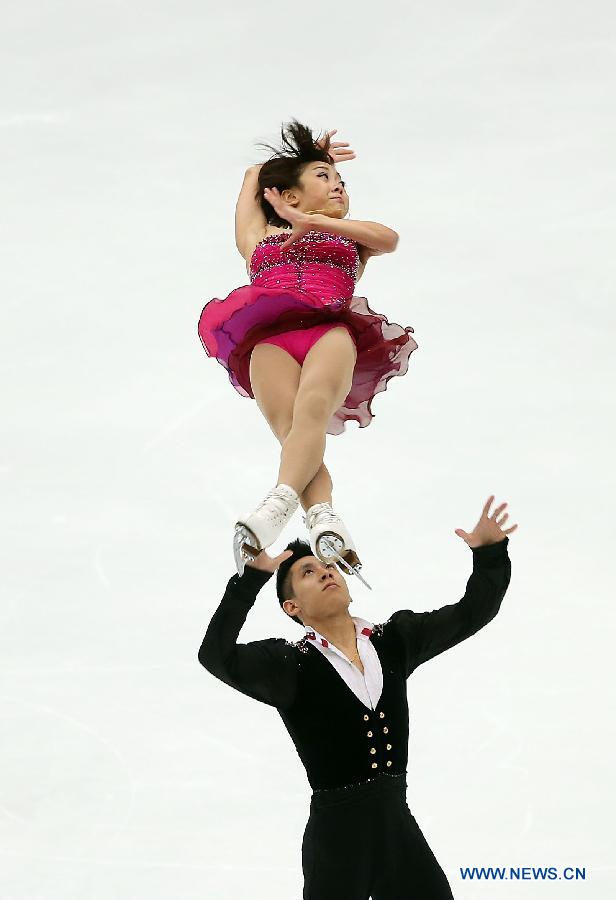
(309, 283)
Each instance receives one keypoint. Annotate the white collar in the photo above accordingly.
(363, 630)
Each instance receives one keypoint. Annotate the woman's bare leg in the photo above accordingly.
(275, 379)
(325, 381)
(319, 490)
(274, 376)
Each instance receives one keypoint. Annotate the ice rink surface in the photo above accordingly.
(485, 137)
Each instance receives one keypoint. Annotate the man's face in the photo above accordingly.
(319, 590)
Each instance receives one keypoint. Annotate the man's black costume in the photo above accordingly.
(361, 839)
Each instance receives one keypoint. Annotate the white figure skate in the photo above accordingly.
(255, 532)
(331, 541)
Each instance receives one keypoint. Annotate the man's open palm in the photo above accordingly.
(267, 563)
(488, 529)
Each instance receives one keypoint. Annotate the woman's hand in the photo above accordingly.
(487, 530)
(300, 221)
(335, 150)
(266, 563)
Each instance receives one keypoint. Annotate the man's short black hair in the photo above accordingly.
(283, 575)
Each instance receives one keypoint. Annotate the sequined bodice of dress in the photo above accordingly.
(321, 263)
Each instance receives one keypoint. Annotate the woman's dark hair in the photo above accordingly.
(283, 575)
(284, 169)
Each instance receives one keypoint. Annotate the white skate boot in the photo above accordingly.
(255, 532)
(330, 540)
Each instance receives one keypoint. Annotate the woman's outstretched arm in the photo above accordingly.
(376, 237)
(250, 221)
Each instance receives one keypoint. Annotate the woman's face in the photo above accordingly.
(321, 188)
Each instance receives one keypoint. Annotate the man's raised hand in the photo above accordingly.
(268, 563)
(488, 529)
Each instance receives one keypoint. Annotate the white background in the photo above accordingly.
(484, 135)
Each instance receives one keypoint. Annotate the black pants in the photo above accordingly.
(363, 842)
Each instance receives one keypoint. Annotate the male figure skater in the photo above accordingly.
(341, 694)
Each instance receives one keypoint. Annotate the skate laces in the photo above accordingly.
(323, 514)
(282, 507)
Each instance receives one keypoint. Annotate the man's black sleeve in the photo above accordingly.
(424, 635)
(264, 670)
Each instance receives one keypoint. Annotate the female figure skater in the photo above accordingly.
(297, 340)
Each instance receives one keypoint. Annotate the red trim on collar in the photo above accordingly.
(312, 636)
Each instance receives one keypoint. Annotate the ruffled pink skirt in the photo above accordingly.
(230, 328)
